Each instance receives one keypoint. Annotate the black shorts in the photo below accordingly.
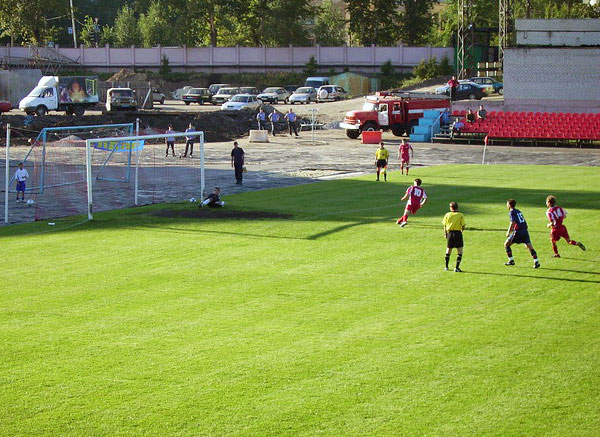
(520, 236)
(381, 163)
(455, 239)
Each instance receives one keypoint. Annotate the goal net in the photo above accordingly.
(79, 170)
(160, 174)
(56, 163)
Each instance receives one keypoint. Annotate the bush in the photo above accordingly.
(164, 69)
(427, 69)
(445, 69)
(310, 68)
(387, 69)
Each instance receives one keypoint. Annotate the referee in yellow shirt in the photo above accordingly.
(454, 225)
(381, 160)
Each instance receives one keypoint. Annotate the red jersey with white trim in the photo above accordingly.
(417, 194)
(404, 148)
(556, 215)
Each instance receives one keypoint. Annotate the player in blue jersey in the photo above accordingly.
(517, 233)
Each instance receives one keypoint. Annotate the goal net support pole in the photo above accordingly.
(7, 174)
(136, 139)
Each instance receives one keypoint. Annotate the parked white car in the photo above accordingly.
(305, 94)
(241, 101)
(330, 93)
(274, 95)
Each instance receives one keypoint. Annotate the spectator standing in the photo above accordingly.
(481, 113)
(445, 118)
(170, 141)
(291, 120)
(261, 117)
(190, 140)
(237, 162)
(453, 84)
(274, 118)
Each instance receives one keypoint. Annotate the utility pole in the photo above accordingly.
(73, 24)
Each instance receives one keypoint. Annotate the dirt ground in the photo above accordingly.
(284, 161)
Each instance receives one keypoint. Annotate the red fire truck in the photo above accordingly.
(383, 112)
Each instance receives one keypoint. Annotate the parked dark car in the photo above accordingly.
(5, 106)
(468, 91)
(197, 95)
(291, 88)
(249, 90)
(489, 82)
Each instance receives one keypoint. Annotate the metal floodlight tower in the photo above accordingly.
(464, 39)
(504, 17)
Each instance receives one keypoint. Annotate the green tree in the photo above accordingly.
(274, 22)
(330, 26)
(415, 21)
(374, 21)
(107, 35)
(89, 33)
(154, 26)
(311, 67)
(27, 21)
(126, 32)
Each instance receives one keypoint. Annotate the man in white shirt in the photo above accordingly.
(21, 177)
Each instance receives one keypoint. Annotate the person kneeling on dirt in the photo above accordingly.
(213, 200)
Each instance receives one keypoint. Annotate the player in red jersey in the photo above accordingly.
(416, 199)
(403, 155)
(556, 215)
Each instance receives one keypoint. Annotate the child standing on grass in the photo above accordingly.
(21, 177)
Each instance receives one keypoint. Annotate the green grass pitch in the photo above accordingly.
(333, 321)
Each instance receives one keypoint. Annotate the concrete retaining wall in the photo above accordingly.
(241, 58)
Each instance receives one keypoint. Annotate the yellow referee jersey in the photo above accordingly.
(382, 154)
(454, 221)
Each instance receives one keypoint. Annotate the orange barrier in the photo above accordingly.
(371, 137)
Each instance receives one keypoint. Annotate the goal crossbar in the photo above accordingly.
(139, 138)
(43, 138)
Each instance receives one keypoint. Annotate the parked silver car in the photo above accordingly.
(224, 95)
(305, 94)
(274, 95)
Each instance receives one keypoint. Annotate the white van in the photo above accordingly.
(316, 82)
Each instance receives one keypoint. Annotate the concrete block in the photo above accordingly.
(259, 136)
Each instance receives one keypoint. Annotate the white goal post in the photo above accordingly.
(134, 143)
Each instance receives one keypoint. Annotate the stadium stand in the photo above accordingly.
(532, 127)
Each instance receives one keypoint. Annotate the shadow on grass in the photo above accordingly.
(550, 278)
(348, 203)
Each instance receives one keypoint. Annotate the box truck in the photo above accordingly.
(71, 94)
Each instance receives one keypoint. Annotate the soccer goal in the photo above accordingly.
(80, 169)
(157, 177)
(55, 161)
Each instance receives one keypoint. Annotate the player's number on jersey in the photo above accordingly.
(520, 217)
(557, 213)
(417, 192)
